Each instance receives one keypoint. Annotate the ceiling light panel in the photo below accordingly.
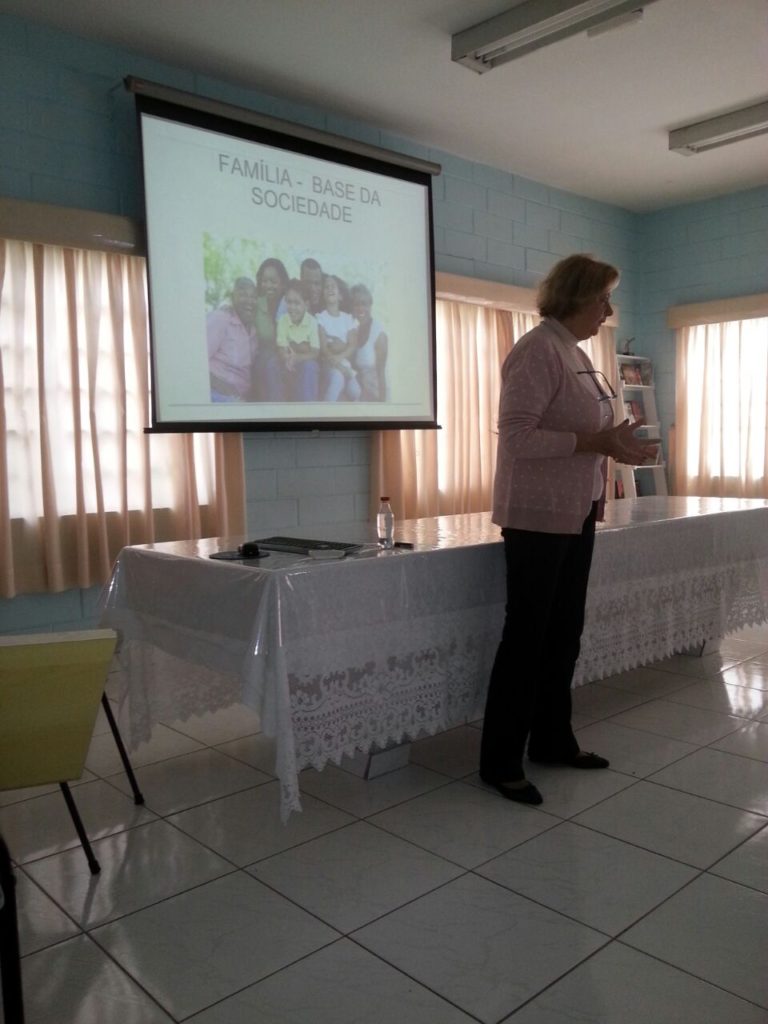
(720, 131)
(531, 25)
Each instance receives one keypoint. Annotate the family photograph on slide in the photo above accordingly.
(273, 337)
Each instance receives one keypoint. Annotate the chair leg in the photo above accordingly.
(93, 864)
(10, 956)
(138, 797)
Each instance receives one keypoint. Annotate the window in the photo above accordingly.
(722, 408)
(79, 478)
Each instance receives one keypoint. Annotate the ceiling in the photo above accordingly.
(589, 115)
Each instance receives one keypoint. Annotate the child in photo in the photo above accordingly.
(298, 345)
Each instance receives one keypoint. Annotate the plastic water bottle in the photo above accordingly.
(385, 524)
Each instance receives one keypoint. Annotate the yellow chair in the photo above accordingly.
(50, 688)
(51, 685)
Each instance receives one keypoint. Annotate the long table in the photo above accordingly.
(347, 656)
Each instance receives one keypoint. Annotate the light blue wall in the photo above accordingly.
(693, 253)
(68, 136)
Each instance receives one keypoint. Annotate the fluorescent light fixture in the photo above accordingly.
(720, 131)
(531, 25)
(619, 21)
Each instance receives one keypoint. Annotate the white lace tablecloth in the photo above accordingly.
(339, 657)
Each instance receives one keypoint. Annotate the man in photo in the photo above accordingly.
(311, 276)
(232, 344)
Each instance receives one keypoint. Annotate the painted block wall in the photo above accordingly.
(696, 252)
(68, 136)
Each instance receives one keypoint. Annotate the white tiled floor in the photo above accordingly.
(637, 895)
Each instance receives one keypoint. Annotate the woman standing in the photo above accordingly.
(555, 430)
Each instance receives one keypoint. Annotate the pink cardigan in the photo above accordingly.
(541, 483)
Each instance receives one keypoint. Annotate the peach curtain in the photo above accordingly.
(602, 352)
(449, 471)
(79, 478)
(721, 433)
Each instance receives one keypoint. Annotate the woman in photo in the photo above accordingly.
(271, 283)
(370, 347)
(339, 379)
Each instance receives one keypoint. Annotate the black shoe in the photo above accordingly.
(583, 759)
(527, 794)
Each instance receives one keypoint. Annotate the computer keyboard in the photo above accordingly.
(303, 546)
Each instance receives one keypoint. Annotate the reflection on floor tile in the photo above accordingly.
(622, 986)
(465, 824)
(192, 779)
(749, 741)
(632, 751)
(42, 826)
(354, 875)
(647, 681)
(635, 895)
(78, 983)
(753, 674)
(706, 667)
(741, 646)
(458, 942)
(311, 990)
(363, 797)
(103, 757)
(138, 868)
(703, 930)
(718, 695)
(41, 923)
(748, 863)
(678, 825)
(197, 948)
(680, 721)
(15, 796)
(727, 778)
(583, 874)
(246, 827)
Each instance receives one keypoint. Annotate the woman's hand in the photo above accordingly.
(619, 443)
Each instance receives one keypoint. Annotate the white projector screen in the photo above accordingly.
(291, 284)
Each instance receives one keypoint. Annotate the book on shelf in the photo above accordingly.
(630, 373)
(646, 374)
(634, 411)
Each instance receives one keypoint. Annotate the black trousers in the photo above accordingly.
(529, 695)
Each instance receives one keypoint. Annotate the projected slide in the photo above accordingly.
(285, 288)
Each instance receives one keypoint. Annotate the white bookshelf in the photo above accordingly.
(637, 400)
